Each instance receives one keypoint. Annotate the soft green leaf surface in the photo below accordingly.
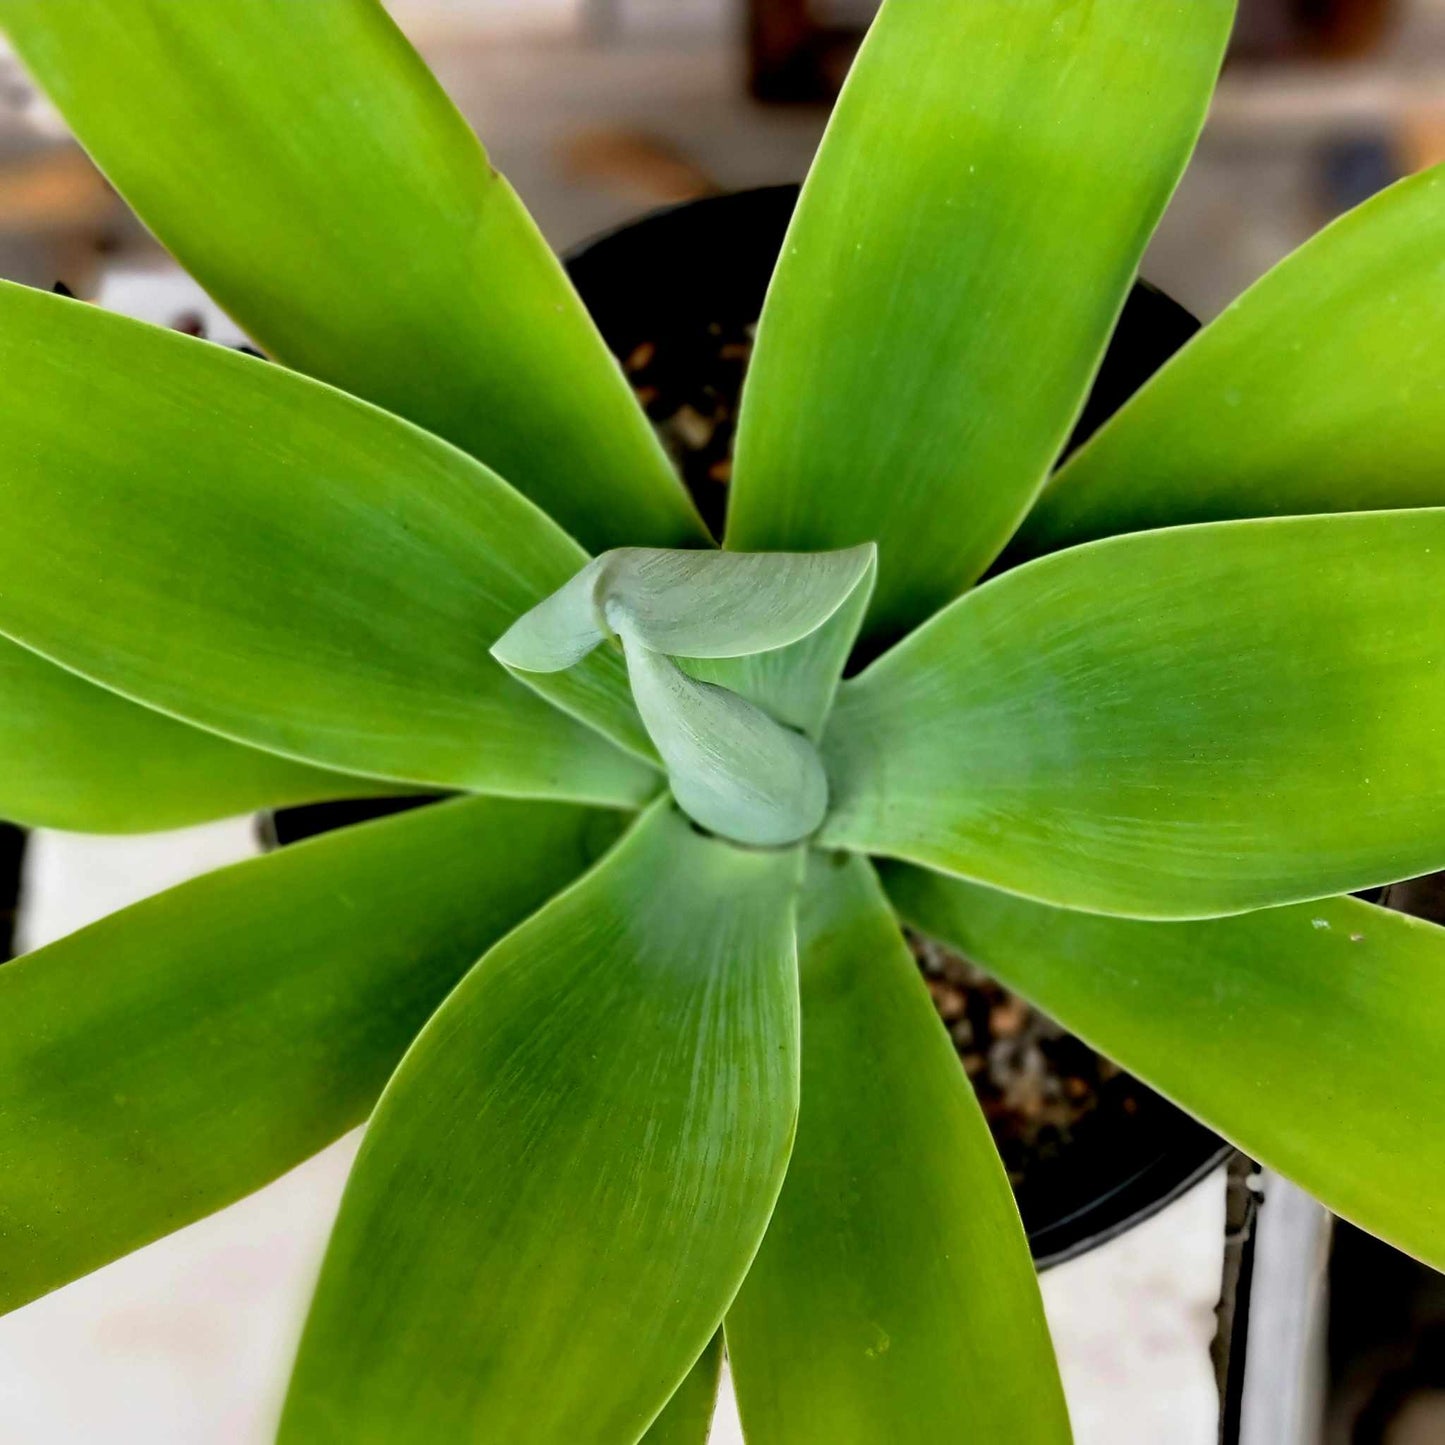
(796, 684)
(567, 1179)
(686, 604)
(1322, 389)
(1169, 725)
(731, 604)
(894, 1298)
(963, 246)
(254, 552)
(174, 1057)
(687, 1420)
(299, 160)
(732, 768)
(75, 756)
(1313, 1037)
(561, 629)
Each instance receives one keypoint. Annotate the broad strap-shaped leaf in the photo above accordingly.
(894, 1298)
(566, 1180)
(1322, 389)
(687, 1420)
(733, 768)
(76, 756)
(686, 604)
(174, 1057)
(303, 165)
(1168, 725)
(1313, 1037)
(962, 249)
(261, 555)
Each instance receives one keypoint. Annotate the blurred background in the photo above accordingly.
(598, 111)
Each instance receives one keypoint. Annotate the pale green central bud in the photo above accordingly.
(734, 768)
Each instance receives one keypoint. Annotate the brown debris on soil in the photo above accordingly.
(1036, 1082)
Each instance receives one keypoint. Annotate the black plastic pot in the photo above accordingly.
(667, 288)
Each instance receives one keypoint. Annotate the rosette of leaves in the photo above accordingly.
(645, 1061)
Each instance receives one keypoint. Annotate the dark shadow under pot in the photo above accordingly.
(1090, 1150)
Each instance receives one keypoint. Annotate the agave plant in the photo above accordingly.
(694, 1087)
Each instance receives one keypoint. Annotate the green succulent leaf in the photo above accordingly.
(571, 1171)
(1313, 1036)
(893, 1298)
(796, 684)
(962, 249)
(687, 1420)
(1173, 724)
(686, 604)
(1322, 389)
(82, 758)
(173, 1057)
(269, 559)
(302, 163)
(732, 767)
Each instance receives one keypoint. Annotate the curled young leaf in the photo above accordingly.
(561, 630)
(732, 767)
(796, 684)
(730, 604)
(686, 604)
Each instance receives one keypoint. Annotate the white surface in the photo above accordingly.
(1285, 1365)
(424, 19)
(72, 879)
(189, 1340)
(161, 293)
(1132, 1325)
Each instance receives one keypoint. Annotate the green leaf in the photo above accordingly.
(687, 1420)
(174, 1057)
(303, 165)
(79, 757)
(258, 554)
(962, 250)
(1169, 725)
(571, 1171)
(1313, 1037)
(1322, 389)
(732, 768)
(686, 604)
(893, 1298)
(796, 684)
